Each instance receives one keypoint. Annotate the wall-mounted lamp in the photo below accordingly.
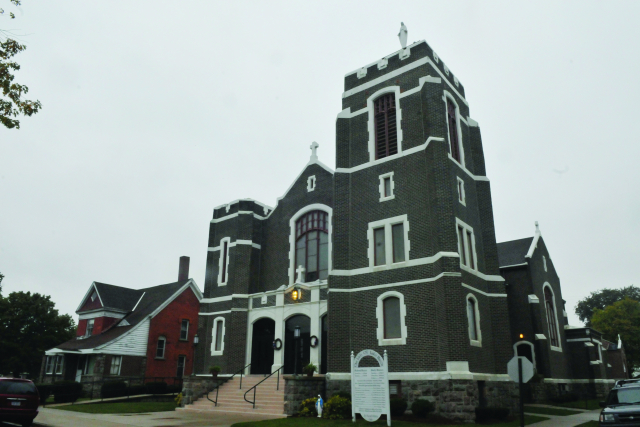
(196, 340)
(296, 332)
(296, 294)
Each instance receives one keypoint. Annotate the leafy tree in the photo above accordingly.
(1, 277)
(11, 102)
(623, 318)
(603, 298)
(29, 325)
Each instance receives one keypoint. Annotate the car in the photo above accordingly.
(622, 407)
(19, 401)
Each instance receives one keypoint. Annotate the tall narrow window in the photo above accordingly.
(472, 263)
(116, 362)
(225, 254)
(89, 327)
(397, 234)
(391, 308)
(379, 246)
(551, 317)
(217, 336)
(162, 341)
(466, 246)
(312, 245)
(453, 130)
(461, 246)
(219, 325)
(386, 186)
(184, 330)
(50, 363)
(182, 360)
(385, 126)
(59, 364)
(473, 321)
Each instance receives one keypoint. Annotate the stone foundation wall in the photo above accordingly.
(542, 392)
(299, 388)
(503, 394)
(193, 388)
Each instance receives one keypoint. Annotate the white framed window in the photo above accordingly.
(461, 193)
(311, 183)
(473, 318)
(160, 347)
(389, 242)
(391, 145)
(552, 317)
(184, 330)
(89, 331)
(298, 229)
(466, 245)
(223, 264)
(391, 312)
(116, 363)
(182, 361)
(454, 132)
(217, 341)
(59, 364)
(49, 365)
(544, 262)
(387, 185)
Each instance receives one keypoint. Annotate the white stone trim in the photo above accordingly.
(584, 381)
(233, 215)
(101, 313)
(382, 64)
(227, 205)
(442, 375)
(233, 244)
(386, 57)
(462, 197)
(450, 97)
(533, 299)
(382, 177)
(540, 337)
(533, 350)
(513, 265)
(583, 339)
(469, 247)
(214, 313)
(380, 316)
(214, 331)
(371, 123)
(405, 53)
(555, 313)
(421, 82)
(410, 263)
(477, 342)
(224, 298)
(222, 281)
(482, 292)
(292, 236)
(311, 183)
(391, 285)
(362, 72)
(387, 223)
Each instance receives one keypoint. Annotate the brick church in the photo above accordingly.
(394, 250)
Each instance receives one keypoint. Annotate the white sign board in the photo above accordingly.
(527, 369)
(370, 387)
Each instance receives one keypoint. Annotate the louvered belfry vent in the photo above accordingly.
(385, 123)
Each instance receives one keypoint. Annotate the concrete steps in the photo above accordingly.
(269, 401)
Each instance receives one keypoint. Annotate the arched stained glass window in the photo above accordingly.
(312, 245)
(551, 317)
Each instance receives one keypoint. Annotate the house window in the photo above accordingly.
(50, 363)
(162, 343)
(391, 313)
(59, 364)
(466, 245)
(473, 318)
(312, 245)
(452, 122)
(552, 318)
(116, 362)
(461, 194)
(89, 327)
(386, 187)
(181, 362)
(389, 241)
(184, 330)
(385, 126)
(223, 275)
(217, 342)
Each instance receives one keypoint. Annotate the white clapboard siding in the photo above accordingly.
(133, 343)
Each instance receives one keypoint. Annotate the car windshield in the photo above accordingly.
(624, 396)
(17, 387)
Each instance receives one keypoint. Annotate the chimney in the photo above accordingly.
(183, 272)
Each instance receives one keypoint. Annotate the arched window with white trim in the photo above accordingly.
(552, 317)
(391, 312)
(473, 321)
(312, 245)
(386, 132)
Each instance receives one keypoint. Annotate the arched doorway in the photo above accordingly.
(323, 346)
(262, 346)
(297, 351)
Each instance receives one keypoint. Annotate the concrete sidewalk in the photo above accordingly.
(567, 421)
(50, 417)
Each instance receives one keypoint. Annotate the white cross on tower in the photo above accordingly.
(300, 272)
(314, 151)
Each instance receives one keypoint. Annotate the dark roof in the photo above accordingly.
(513, 252)
(118, 297)
(152, 298)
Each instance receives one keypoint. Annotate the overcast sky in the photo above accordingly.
(155, 112)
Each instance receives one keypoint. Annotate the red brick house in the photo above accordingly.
(125, 332)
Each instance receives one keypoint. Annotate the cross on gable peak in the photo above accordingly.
(314, 151)
(299, 272)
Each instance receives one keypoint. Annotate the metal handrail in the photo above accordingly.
(217, 387)
(255, 386)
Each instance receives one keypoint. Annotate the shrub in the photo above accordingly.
(398, 406)
(214, 369)
(310, 369)
(344, 394)
(422, 407)
(113, 389)
(44, 390)
(337, 408)
(491, 414)
(564, 398)
(308, 408)
(66, 391)
(159, 387)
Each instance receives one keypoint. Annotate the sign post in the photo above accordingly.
(520, 370)
(370, 387)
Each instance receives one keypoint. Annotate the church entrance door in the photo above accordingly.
(262, 346)
(297, 351)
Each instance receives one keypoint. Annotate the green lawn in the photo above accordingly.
(589, 424)
(319, 422)
(50, 399)
(548, 411)
(579, 404)
(120, 407)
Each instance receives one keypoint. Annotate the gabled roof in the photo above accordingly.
(513, 252)
(112, 297)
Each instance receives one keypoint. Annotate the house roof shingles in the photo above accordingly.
(513, 252)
